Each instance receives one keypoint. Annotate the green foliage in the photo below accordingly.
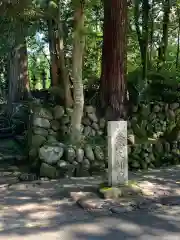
(34, 15)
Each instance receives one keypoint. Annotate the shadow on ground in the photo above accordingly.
(165, 180)
(30, 211)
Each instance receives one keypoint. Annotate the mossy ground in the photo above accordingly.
(131, 188)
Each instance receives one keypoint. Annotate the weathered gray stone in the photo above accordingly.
(166, 107)
(102, 123)
(37, 141)
(131, 139)
(69, 111)
(135, 109)
(86, 121)
(51, 139)
(129, 125)
(167, 147)
(51, 154)
(100, 133)
(64, 130)
(74, 163)
(158, 147)
(70, 170)
(87, 131)
(135, 164)
(62, 164)
(95, 126)
(48, 171)
(58, 112)
(79, 155)
(90, 109)
(117, 153)
(40, 131)
(43, 113)
(33, 153)
(120, 210)
(93, 133)
(65, 120)
(93, 117)
(98, 166)
(171, 114)
(174, 106)
(82, 128)
(70, 154)
(99, 154)
(89, 152)
(156, 109)
(52, 132)
(55, 125)
(41, 122)
(86, 164)
(82, 172)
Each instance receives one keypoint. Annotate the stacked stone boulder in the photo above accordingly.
(56, 159)
(150, 138)
(153, 141)
(91, 125)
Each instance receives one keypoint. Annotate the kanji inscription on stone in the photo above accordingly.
(117, 153)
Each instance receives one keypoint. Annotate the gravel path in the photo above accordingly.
(44, 209)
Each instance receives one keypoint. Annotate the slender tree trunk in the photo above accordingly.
(178, 44)
(23, 61)
(53, 53)
(143, 35)
(77, 63)
(138, 31)
(13, 79)
(151, 32)
(113, 88)
(164, 42)
(43, 75)
(64, 74)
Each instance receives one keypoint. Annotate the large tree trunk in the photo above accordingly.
(19, 88)
(77, 63)
(114, 59)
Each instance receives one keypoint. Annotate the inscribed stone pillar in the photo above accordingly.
(117, 153)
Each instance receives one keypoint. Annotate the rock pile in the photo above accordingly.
(153, 134)
(156, 131)
(56, 159)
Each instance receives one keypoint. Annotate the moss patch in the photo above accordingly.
(127, 190)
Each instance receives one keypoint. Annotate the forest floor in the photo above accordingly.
(49, 209)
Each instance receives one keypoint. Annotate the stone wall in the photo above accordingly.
(52, 154)
(150, 136)
(154, 131)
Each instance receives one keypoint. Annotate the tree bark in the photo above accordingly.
(113, 90)
(77, 63)
(53, 53)
(144, 34)
(164, 42)
(151, 32)
(178, 44)
(19, 88)
(64, 74)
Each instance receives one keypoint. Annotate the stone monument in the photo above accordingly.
(117, 153)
